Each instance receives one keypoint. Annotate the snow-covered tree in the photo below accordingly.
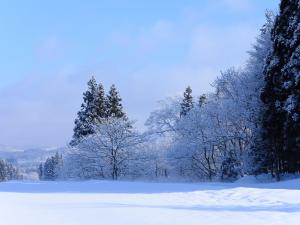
(192, 155)
(183, 140)
(8, 171)
(108, 153)
(255, 78)
(100, 103)
(281, 93)
(92, 109)
(51, 170)
(114, 104)
(187, 101)
(41, 171)
(202, 100)
(221, 136)
(231, 168)
(164, 119)
(217, 137)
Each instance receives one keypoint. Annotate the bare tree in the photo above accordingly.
(110, 151)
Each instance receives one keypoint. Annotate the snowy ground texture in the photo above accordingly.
(134, 203)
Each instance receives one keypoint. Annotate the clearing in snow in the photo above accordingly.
(137, 203)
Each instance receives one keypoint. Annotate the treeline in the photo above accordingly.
(51, 169)
(280, 134)
(8, 171)
(250, 124)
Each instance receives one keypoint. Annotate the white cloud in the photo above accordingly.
(40, 110)
(219, 47)
(153, 37)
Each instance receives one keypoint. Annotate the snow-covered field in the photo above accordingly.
(136, 203)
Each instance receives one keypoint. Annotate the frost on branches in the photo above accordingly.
(108, 153)
(249, 124)
(281, 93)
(216, 138)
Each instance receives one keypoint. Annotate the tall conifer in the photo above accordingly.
(187, 103)
(281, 94)
(92, 110)
(114, 104)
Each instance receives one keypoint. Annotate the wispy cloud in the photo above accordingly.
(147, 63)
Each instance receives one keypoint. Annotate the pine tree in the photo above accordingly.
(3, 175)
(100, 102)
(92, 110)
(281, 94)
(52, 167)
(41, 171)
(83, 124)
(259, 157)
(187, 102)
(231, 168)
(8, 171)
(202, 100)
(113, 104)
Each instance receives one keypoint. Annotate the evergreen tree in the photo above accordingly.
(201, 101)
(52, 167)
(187, 102)
(8, 171)
(281, 94)
(3, 174)
(41, 171)
(92, 110)
(260, 158)
(113, 104)
(231, 169)
(100, 102)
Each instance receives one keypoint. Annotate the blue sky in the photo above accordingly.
(149, 49)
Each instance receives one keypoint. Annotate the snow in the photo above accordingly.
(246, 202)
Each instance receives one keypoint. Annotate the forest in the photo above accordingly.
(150, 112)
(249, 124)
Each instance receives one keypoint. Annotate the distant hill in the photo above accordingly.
(27, 160)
